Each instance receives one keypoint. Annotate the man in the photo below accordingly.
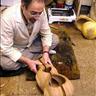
(24, 32)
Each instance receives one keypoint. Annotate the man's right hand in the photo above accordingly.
(31, 63)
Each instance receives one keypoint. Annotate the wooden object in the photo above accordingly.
(87, 26)
(51, 82)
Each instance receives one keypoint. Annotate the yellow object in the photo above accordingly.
(81, 20)
(89, 30)
(87, 26)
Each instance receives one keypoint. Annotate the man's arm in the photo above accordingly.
(46, 37)
(45, 31)
(31, 63)
(6, 45)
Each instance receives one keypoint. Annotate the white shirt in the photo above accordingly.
(14, 33)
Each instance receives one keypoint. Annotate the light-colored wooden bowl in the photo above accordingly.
(52, 83)
(58, 85)
(81, 20)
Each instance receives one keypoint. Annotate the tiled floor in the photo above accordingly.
(85, 51)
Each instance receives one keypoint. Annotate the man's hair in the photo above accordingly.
(27, 2)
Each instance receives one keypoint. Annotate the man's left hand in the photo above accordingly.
(46, 58)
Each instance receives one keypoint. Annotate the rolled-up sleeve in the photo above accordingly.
(7, 40)
(45, 30)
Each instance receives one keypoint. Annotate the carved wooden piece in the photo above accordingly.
(52, 83)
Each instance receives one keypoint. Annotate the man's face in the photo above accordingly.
(33, 11)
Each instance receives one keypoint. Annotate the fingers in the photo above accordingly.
(45, 60)
(33, 68)
(33, 65)
(49, 61)
(37, 62)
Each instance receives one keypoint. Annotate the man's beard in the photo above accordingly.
(32, 20)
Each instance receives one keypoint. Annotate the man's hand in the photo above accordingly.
(32, 65)
(46, 58)
(46, 55)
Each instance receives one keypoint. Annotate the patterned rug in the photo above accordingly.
(64, 60)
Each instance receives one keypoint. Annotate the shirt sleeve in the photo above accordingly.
(45, 30)
(7, 40)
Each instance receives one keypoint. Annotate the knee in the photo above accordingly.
(55, 40)
(8, 64)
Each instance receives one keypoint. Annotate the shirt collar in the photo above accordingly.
(24, 18)
(18, 13)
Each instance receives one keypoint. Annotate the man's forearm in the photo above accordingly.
(31, 63)
(24, 60)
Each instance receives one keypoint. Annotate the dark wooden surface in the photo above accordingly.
(64, 60)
